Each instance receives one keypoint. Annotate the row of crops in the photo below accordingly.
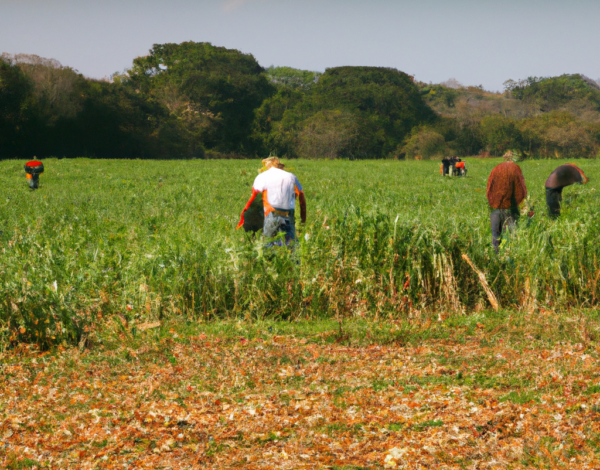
(142, 241)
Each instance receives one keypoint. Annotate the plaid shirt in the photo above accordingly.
(506, 186)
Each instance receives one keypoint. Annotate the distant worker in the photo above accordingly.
(453, 166)
(460, 169)
(33, 170)
(279, 190)
(506, 190)
(446, 162)
(564, 175)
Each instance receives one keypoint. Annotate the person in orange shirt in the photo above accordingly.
(33, 170)
(506, 190)
(279, 190)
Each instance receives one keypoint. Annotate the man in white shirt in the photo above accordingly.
(279, 190)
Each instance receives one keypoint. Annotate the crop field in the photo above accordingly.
(150, 240)
(139, 329)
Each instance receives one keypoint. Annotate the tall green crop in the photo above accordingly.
(146, 240)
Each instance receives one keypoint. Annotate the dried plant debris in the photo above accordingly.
(204, 400)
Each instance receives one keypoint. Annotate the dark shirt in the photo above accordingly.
(506, 186)
(254, 217)
(565, 175)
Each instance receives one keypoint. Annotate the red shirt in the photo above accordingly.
(506, 186)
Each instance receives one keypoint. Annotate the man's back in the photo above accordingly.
(506, 186)
(565, 175)
(280, 187)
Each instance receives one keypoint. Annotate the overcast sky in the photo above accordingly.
(475, 41)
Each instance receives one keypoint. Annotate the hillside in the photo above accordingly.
(576, 94)
(547, 117)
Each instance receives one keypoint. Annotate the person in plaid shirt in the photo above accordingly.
(506, 190)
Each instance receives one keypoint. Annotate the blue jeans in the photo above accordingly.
(276, 223)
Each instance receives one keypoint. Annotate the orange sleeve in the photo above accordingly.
(248, 204)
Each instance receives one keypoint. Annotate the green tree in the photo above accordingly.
(222, 88)
(15, 103)
(327, 134)
(268, 135)
(51, 110)
(424, 143)
(559, 134)
(551, 93)
(385, 104)
(500, 134)
(293, 78)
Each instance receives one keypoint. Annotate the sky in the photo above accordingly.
(478, 42)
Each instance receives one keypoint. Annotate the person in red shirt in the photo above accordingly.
(506, 190)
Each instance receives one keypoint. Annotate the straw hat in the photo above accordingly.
(271, 162)
(512, 156)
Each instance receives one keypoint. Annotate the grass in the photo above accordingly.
(119, 243)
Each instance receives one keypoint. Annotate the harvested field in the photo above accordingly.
(489, 391)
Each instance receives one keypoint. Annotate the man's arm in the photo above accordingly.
(302, 201)
(520, 189)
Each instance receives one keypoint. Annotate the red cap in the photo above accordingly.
(33, 163)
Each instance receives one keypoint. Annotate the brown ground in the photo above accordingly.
(290, 402)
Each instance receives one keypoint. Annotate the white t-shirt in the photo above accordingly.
(280, 186)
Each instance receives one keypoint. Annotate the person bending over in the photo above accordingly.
(279, 190)
(505, 191)
(564, 175)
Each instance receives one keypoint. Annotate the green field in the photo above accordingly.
(155, 239)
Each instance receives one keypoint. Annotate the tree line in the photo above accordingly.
(196, 100)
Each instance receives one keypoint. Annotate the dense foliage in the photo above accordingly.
(292, 78)
(53, 110)
(195, 100)
(213, 91)
(550, 93)
(353, 112)
(151, 240)
(173, 103)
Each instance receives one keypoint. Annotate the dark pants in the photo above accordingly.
(501, 220)
(553, 200)
(34, 181)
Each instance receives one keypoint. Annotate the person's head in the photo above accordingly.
(584, 178)
(272, 162)
(511, 156)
